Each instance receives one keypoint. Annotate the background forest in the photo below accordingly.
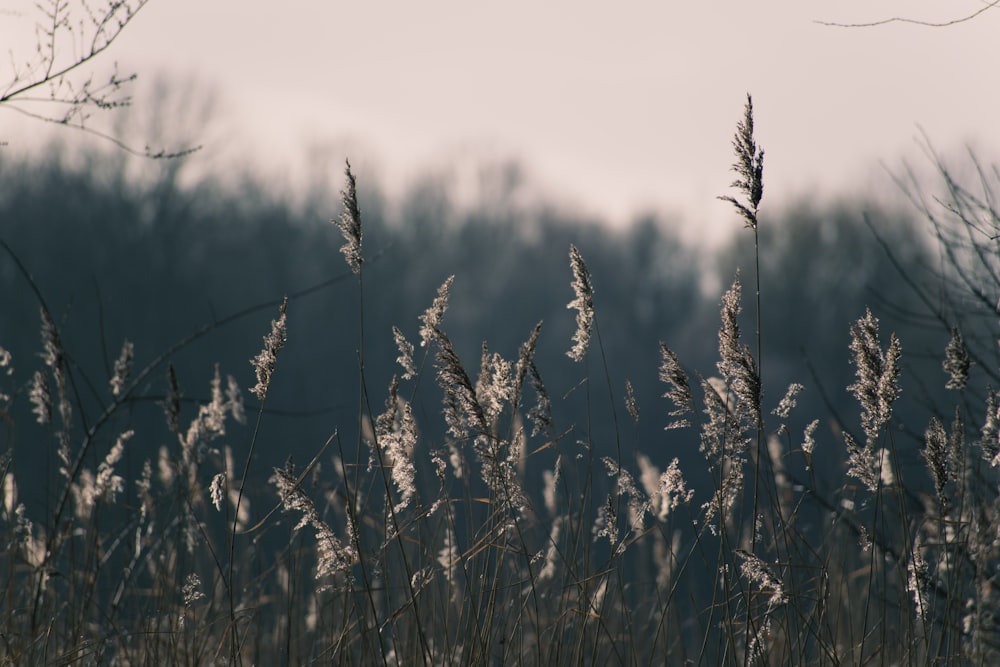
(153, 262)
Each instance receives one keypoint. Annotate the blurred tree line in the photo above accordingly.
(151, 261)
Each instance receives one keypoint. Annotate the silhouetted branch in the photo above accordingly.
(69, 38)
(903, 19)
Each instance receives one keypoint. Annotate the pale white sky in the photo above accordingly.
(612, 107)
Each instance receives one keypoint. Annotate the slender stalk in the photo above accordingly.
(749, 168)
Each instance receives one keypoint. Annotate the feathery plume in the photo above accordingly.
(405, 358)
(265, 362)
(9, 485)
(886, 474)
(888, 386)
(638, 503)
(107, 485)
(918, 579)
(758, 572)
(956, 362)
(583, 303)
(396, 433)
(23, 527)
(494, 385)
(430, 321)
(54, 357)
(672, 374)
(606, 524)
(724, 499)
(787, 403)
(332, 555)
(449, 559)
(936, 454)
(525, 359)
(862, 464)
(350, 222)
(749, 168)
(540, 414)
(551, 478)
(210, 422)
(217, 491)
(213, 414)
(877, 386)
(666, 490)
(192, 590)
(809, 442)
(499, 471)
(457, 459)
(630, 403)
(720, 435)
(144, 485)
(52, 349)
(6, 360)
(41, 398)
(736, 364)
(462, 410)
(956, 446)
(123, 368)
(989, 441)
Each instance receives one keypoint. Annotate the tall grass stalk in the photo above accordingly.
(749, 167)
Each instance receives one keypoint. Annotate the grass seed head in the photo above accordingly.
(349, 222)
(264, 363)
(583, 303)
(956, 362)
(749, 168)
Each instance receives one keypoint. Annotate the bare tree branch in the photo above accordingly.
(69, 37)
(903, 19)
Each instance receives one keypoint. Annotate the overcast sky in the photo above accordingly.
(612, 107)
